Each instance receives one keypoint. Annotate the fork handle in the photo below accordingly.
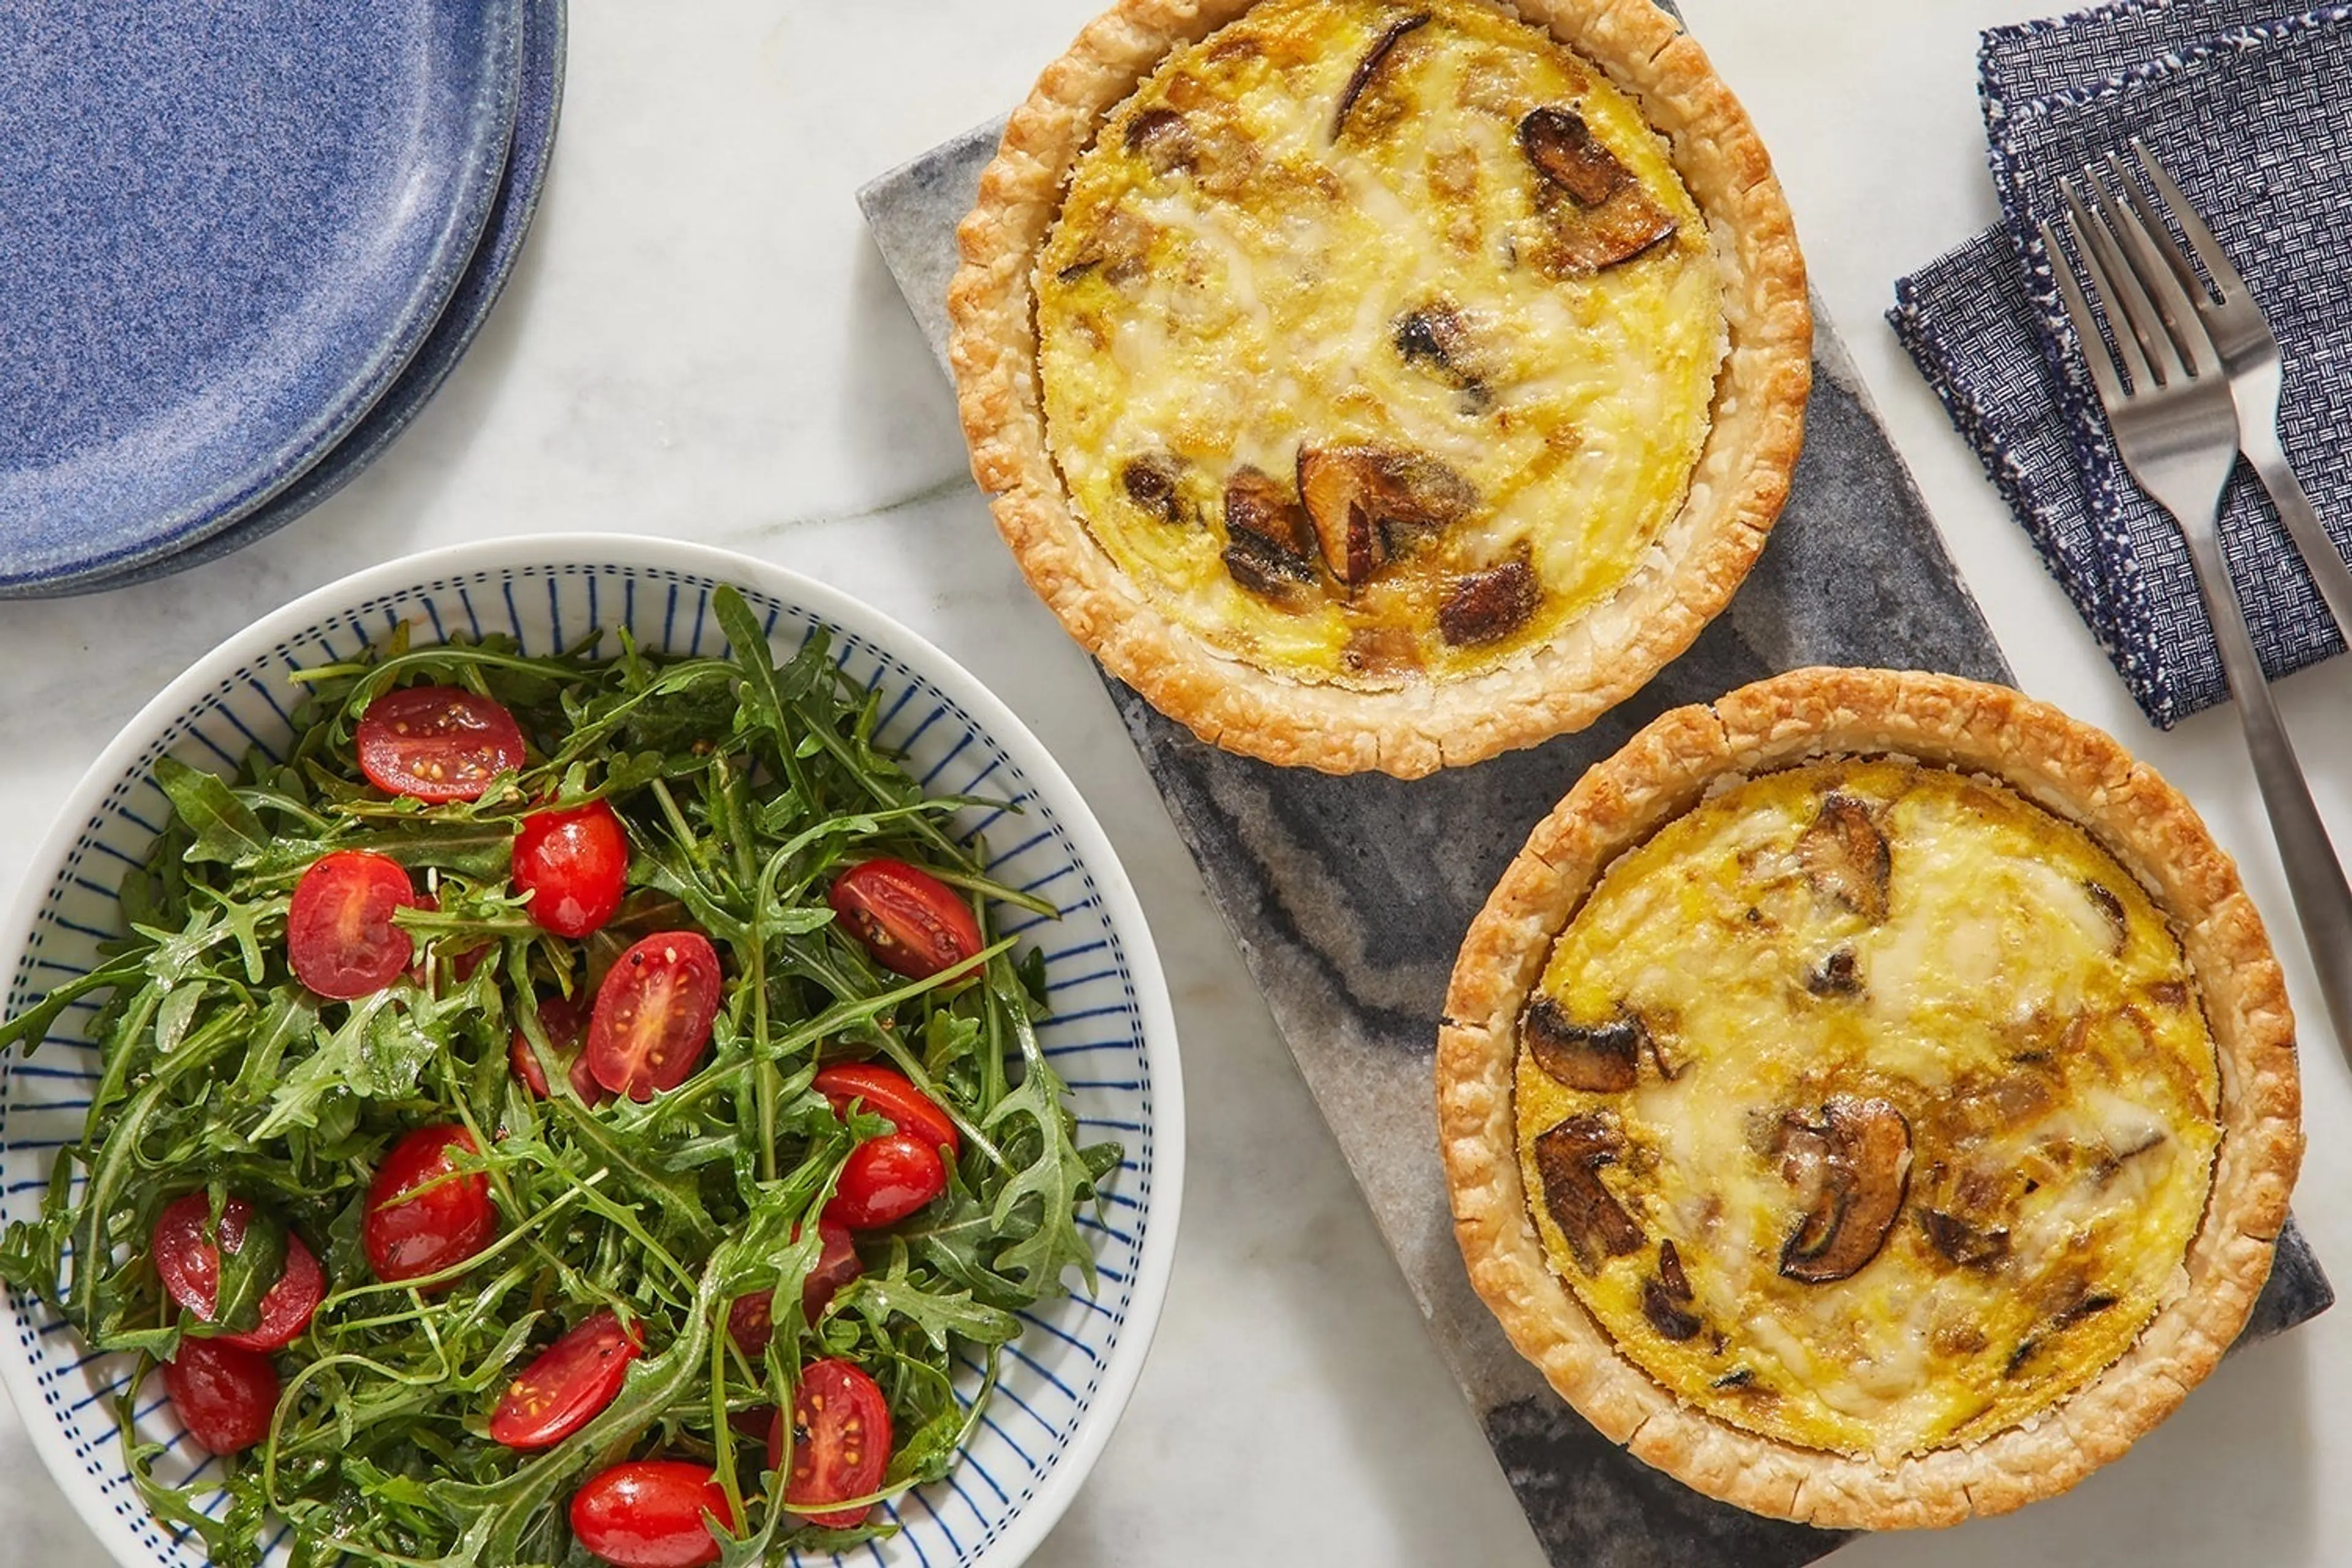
(2318, 552)
(2313, 875)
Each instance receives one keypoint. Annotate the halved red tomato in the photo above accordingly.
(562, 1390)
(838, 1443)
(574, 865)
(890, 1093)
(189, 1263)
(887, 1179)
(907, 919)
(751, 1319)
(653, 1013)
(566, 1023)
(224, 1395)
(647, 1513)
(421, 1218)
(436, 743)
(339, 937)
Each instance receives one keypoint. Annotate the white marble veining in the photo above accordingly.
(701, 341)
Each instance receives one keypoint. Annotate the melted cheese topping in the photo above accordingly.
(2021, 1002)
(1239, 283)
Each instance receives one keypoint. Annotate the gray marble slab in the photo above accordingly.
(1349, 897)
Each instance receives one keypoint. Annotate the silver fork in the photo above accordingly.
(2176, 429)
(2250, 356)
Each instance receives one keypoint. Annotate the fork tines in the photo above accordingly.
(2139, 280)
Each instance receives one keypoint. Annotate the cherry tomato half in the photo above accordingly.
(340, 938)
(409, 1233)
(573, 863)
(653, 1013)
(840, 1443)
(566, 1023)
(647, 1513)
(436, 743)
(909, 920)
(751, 1319)
(892, 1094)
(189, 1263)
(886, 1178)
(224, 1395)
(562, 1390)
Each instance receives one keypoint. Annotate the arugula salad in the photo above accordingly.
(569, 1110)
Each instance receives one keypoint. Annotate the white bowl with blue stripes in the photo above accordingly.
(1111, 1034)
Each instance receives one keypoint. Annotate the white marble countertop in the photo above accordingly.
(701, 341)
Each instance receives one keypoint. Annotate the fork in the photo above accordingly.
(2250, 356)
(2176, 429)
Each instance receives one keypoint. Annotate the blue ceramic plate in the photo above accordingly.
(543, 29)
(1111, 1033)
(225, 226)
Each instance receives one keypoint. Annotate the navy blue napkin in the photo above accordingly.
(2253, 115)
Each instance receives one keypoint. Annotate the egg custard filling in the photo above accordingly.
(1868, 1106)
(1377, 342)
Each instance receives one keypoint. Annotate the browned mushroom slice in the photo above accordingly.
(1438, 339)
(1610, 218)
(1603, 1060)
(1670, 1321)
(1152, 484)
(2111, 908)
(1560, 146)
(1118, 246)
(1489, 606)
(1568, 1159)
(1370, 66)
(1365, 502)
(1267, 543)
(1839, 975)
(1969, 1245)
(1853, 1168)
(1670, 1271)
(1845, 857)
(1161, 139)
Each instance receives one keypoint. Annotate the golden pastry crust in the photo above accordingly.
(2069, 769)
(1736, 490)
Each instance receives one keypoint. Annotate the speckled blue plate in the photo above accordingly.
(225, 228)
(544, 33)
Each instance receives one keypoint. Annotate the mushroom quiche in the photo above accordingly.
(1377, 384)
(1872, 1099)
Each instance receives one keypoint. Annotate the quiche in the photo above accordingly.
(1378, 386)
(1871, 1098)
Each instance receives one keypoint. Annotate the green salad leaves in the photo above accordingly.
(745, 786)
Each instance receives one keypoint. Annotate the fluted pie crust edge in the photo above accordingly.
(1737, 489)
(2066, 766)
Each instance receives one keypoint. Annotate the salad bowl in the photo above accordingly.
(1110, 1034)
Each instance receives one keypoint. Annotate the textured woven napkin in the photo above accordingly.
(2252, 112)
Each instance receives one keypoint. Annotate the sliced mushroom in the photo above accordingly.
(1839, 975)
(1367, 502)
(1256, 503)
(1370, 66)
(1853, 1168)
(1438, 339)
(1275, 575)
(1560, 146)
(1846, 858)
(1118, 246)
(2111, 908)
(1969, 1245)
(2088, 1306)
(1670, 1271)
(1607, 218)
(1161, 139)
(1568, 1159)
(1488, 606)
(1152, 484)
(1670, 1320)
(1603, 1058)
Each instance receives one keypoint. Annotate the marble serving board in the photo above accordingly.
(1349, 897)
